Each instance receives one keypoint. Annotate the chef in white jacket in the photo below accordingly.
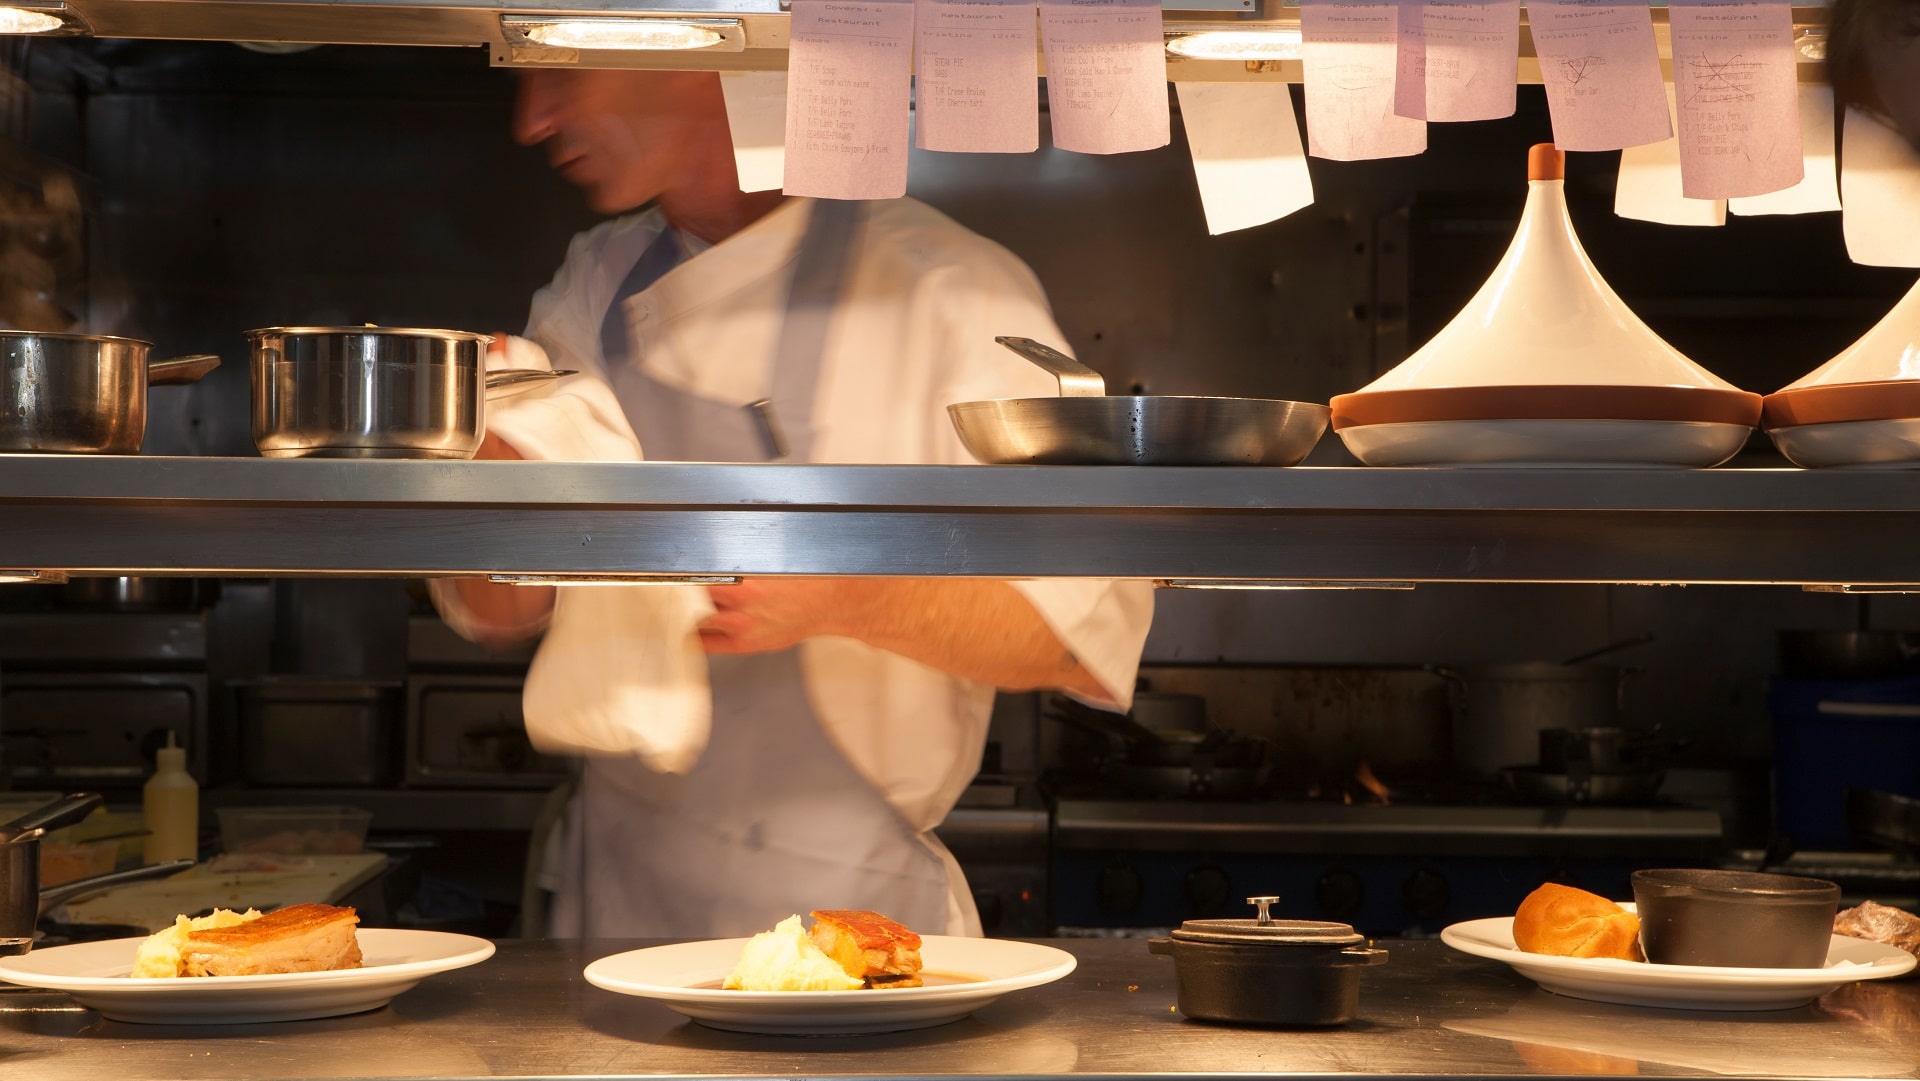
(846, 714)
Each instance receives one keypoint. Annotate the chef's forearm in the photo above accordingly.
(499, 616)
(979, 629)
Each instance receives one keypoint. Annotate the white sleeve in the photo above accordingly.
(1102, 622)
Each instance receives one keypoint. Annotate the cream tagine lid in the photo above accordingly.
(1546, 338)
(1875, 378)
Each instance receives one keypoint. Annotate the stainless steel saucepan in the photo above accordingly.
(81, 393)
(375, 392)
(1087, 426)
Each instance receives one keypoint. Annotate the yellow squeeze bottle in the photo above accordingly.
(171, 807)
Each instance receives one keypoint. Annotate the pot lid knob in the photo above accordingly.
(1260, 905)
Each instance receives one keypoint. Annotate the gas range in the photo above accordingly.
(1396, 869)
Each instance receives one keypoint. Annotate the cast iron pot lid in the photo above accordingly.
(1263, 930)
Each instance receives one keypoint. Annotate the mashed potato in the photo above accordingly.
(159, 955)
(785, 959)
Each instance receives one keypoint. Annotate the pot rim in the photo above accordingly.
(71, 336)
(1722, 884)
(413, 332)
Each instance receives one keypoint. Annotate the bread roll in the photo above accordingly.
(1568, 922)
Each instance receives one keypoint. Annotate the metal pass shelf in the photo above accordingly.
(251, 516)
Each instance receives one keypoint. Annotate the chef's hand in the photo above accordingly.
(762, 615)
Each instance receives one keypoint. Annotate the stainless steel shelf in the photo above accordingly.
(249, 516)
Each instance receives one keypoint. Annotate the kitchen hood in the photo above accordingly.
(725, 34)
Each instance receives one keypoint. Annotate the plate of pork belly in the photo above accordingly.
(852, 972)
(292, 964)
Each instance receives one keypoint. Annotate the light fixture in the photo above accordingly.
(10, 574)
(624, 33)
(615, 578)
(41, 20)
(1234, 43)
(1274, 583)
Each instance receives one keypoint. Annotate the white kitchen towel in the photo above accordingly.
(620, 671)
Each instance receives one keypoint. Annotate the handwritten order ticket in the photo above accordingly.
(1106, 75)
(1349, 57)
(1601, 69)
(1737, 96)
(1458, 59)
(849, 67)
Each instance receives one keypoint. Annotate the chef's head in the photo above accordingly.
(1873, 58)
(627, 137)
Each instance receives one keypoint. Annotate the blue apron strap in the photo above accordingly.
(819, 278)
(616, 343)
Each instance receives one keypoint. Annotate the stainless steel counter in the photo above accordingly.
(247, 516)
(1430, 1012)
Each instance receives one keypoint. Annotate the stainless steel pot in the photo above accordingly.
(22, 902)
(374, 392)
(1086, 426)
(1499, 710)
(81, 393)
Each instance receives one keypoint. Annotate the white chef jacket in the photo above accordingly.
(922, 302)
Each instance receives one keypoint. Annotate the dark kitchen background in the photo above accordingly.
(1310, 744)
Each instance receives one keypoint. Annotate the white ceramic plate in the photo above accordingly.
(1547, 443)
(1681, 987)
(1871, 444)
(963, 974)
(95, 974)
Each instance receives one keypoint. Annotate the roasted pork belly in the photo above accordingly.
(869, 946)
(298, 938)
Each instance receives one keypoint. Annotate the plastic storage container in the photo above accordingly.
(294, 831)
(1832, 735)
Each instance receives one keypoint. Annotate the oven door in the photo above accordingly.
(467, 730)
(98, 728)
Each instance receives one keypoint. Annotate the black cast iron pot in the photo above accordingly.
(1267, 972)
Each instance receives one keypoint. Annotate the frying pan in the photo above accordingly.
(1087, 426)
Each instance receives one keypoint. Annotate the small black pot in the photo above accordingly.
(1267, 972)
(1734, 919)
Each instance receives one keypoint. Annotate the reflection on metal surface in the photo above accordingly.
(38, 577)
(1555, 1033)
(616, 32)
(1272, 583)
(1891, 587)
(615, 578)
(40, 20)
(1200, 42)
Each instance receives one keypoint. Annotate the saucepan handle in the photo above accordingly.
(56, 896)
(175, 371)
(507, 382)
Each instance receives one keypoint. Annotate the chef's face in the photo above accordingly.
(622, 137)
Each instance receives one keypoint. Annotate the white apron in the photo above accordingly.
(773, 820)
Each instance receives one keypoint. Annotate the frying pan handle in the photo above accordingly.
(176, 371)
(1076, 379)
